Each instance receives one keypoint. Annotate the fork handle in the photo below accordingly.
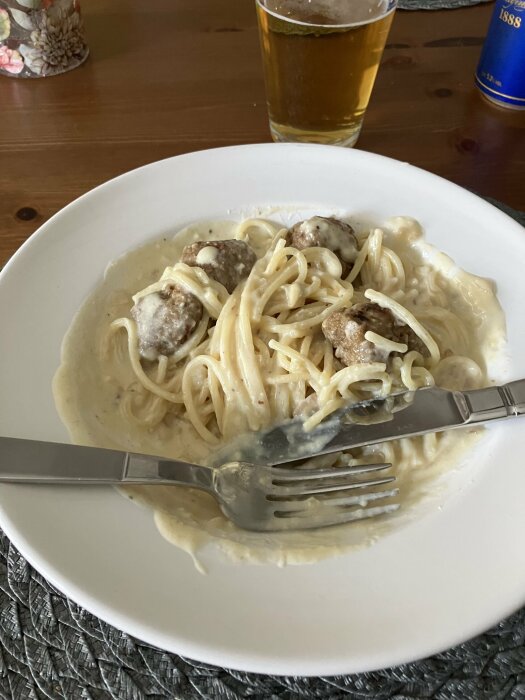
(496, 402)
(143, 469)
(37, 462)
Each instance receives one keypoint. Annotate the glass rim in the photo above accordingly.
(392, 7)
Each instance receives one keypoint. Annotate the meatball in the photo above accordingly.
(165, 320)
(326, 232)
(227, 262)
(346, 329)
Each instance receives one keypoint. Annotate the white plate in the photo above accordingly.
(441, 579)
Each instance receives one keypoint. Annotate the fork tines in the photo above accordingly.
(317, 495)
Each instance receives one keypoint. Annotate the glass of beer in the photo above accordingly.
(320, 62)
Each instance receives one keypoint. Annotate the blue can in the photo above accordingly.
(501, 71)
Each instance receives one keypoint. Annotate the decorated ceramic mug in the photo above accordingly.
(40, 37)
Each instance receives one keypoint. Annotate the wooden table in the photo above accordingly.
(170, 76)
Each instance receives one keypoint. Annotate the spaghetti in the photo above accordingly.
(258, 355)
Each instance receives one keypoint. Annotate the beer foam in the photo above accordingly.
(327, 12)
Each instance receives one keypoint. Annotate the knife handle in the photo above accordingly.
(495, 402)
(516, 396)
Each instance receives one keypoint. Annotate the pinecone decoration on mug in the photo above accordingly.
(40, 37)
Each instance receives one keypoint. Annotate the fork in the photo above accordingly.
(254, 497)
(265, 498)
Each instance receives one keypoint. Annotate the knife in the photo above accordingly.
(399, 415)
(403, 414)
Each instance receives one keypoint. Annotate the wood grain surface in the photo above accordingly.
(171, 76)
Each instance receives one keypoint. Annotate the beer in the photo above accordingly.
(501, 71)
(320, 62)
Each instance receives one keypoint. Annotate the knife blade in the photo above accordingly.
(404, 414)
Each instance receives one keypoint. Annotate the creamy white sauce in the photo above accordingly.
(207, 255)
(330, 236)
(150, 320)
(87, 391)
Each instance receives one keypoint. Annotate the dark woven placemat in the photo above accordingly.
(437, 4)
(51, 648)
